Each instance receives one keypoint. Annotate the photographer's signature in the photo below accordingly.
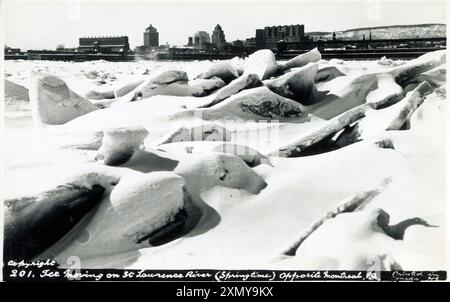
(415, 276)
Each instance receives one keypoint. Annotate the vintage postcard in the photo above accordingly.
(224, 141)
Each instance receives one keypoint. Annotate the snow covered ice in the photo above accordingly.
(119, 144)
(240, 164)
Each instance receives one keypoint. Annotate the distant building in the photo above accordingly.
(104, 44)
(201, 39)
(190, 41)
(260, 41)
(238, 43)
(218, 37)
(250, 43)
(151, 37)
(151, 42)
(62, 48)
(271, 35)
(9, 50)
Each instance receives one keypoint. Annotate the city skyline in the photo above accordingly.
(70, 20)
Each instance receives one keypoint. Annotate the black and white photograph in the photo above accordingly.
(224, 141)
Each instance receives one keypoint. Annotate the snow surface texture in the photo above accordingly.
(262, 63)
(241, 164)
(239, 84)
(119, 144)
(297, 84)
(222, 70)
(54, 103)
(301, 60)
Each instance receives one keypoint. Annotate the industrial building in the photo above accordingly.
(104, 44)
(271, 35)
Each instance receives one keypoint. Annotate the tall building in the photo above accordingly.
(201, 38)
(151, 37)
(259, 38)
(271, 35)
(218, 37)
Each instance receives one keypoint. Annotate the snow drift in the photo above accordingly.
(53, 102)
(257, 164)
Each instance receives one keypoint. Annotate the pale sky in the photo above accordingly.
(44, 24)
